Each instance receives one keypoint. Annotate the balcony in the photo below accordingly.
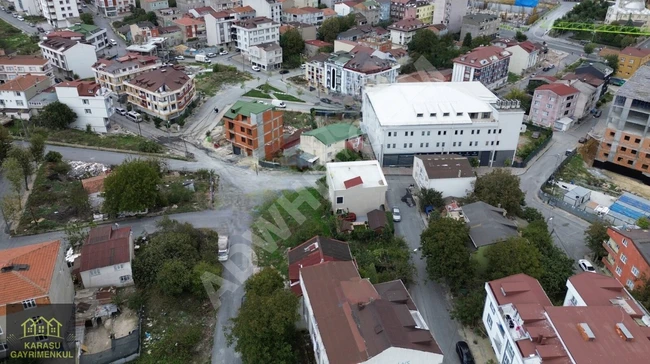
(513, 322)
(611, 245)
(610, 259)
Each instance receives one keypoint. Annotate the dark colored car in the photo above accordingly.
(464, 354)
(40, 30)
(284, 72)
(326, 101)
(598, 113)
(582, 140)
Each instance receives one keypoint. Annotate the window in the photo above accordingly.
(566, 112)
(624, 242)
(389, 133)
(630, 162)
(459, 114)
(419, 115)
(489, 321)
(427, 145)
(630, 284)
(455, 132)
(470, 144)
(86, 102)
(438, 145)
(0, 330)
(499, 131)
(428, 132)
(406, 133)
(492, 142)
(95, 272)
(454, 144)
(473, 131)
(549, 106)
(489, 131)
(88, 111)
(410, 145)
(637, 140)
(422, 132)
(433, 114)
(443, 144)
(536, 103)
(444, 132)
(124, 279)
(574, 301)
(478, 132)
(635, 271)
(393, 145)
(17, 93)
(461, 132)
(440, 132)
(118, 266)
(619, 271)
(421, 145)
(339, 200)
(627, 137)
(486, 115)
(494, 312)
(460, 144)
(19, 103)
(623, 149)
(487, 143)
(404, 145)
(387, 146)
(497, 142)
(623, 258)
(3, 347)
(445, 114)
(30, 303)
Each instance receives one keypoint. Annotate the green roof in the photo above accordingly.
(84, 28)
(334, 133)
(246, 108)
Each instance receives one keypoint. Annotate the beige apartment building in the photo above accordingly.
(112, 74)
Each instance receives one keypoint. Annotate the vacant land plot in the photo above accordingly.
(210, 82)
(13, 39)
(185, 192)
(267, 91)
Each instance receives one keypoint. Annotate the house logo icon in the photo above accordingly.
(39, 326)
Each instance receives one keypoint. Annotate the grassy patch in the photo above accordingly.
(258, 94)
(210, 82)
(513, 77)
(524, 149)
(267, 88)
(174, 193)
(575, 171)
(13, 38)
(286, 97)
(297, 119)
(114, 141)
(34, 19)
(298, 80)
(55, 199)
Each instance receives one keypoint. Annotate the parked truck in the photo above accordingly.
(202, 58)
(224, 248)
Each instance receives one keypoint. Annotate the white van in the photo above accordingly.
(120, 110)
(278, 103)
(134, 116)
(224, 248)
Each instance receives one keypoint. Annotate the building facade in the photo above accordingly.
(164, 93)
(112, 8)
(553, 102)
(92, 34)
(111, 74)
(14, 66)
(403, 31)
(255, 31)
(16, 95)
(628, 255)
(57, 12)
(488, 65)
(358, 187)
(630, 59)
(266, 56)
(106, 257)
(153, 5)
(450, 174)
(192, 29)
(271, 9)
(325, 142)
(254, 129)
(307, 15)
(480, 25)
(92, 103)
(465, 118)
(524, 57)
(69, 57)
(449, 13)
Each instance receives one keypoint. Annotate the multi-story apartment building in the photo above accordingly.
(111, 73)
(315, 71)
(465, 118)
(113, 7)
(488, 65)
(192, 29)
(56, 12)
(185, 5)
(218, 26)
(69, 57)
(15, 95)
(349, 73)
(14, 66)
(271, 9)
(398, 9)
(267, 56)
(165, 92)
(598, 323)
(553, 102)
(626, 141)
(32, 7)
(419, 9)
(92, 103)
(167, 16)
(220, 5)
(449, 13)
(33, 278)
(628, 255)
(153, 5)
(480, 25)
(254, 129)
(92, 35)
(629, 60)
(307, 15)
(250, 32)
(403, 31)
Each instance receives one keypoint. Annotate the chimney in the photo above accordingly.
(460, 172)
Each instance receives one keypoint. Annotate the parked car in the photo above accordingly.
(284, 72)
(397, 217)
(58, 80)
(15, 15)
(325, 101)
(2, 8)
(303, 66)
(179, 58)
(464, 354)
(223, 53)
(256, 68)
(31, 24)
(40, 30)
(582, 140)
(20, 18)
(598, 113)
(112, 42)
(120, 110)
(211, 55)
(586, 266)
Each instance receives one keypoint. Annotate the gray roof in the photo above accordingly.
(479, 18)
(440, 166)
(641, 239)
(637, 86)
(487, 225)
(603, 68)
(578, 192)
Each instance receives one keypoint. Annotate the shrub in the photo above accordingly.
(178, 193)
(61, 167)
(149, 146)
(53, 157)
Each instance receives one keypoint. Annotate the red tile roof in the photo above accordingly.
(407, 25)
(23, 82)
(584, 77)
(329, 12)
(483, 56)
(187, 21)
(519, 288)
(356, 181)
(635, 52)
(19, 285)
(94, 184)
(559, 89)
(26, 60)
(528, 46)
(84, 88)
(318, 43)
(152, 81)
(315, 251)
(105, 247)
(600, 290)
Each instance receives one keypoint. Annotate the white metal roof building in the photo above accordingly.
(358, 187)
(464, 118)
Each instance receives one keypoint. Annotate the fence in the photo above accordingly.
(123, 350)
(557, 202)
(542, 131)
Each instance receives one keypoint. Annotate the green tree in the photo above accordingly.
(24, 159)
(643, 222)
(56, 116)
(500, 187)
(444, 245)
(347, 155)
(612, 61)
(76, 233)
(429, 197)
(467, 41)
(589, 48)
(525, 99)
(627, 41)
(292, 46)
(595, 236)
(534, 84)
(131, 187)
(5, 143)
(642, 291)
(513, 256)
(438, 51)
(329, 30)
(468, 308)
(268, 335)
(87, 18)
(531, 214)
(173, 277)
(37, 147)
(14, 174)
(265, 282)
(483, 40)
(520, 37)
(200, 269)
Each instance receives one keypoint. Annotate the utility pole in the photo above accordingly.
(139, 129)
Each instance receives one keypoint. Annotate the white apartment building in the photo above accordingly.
(92, 34)
(449, 13)
(306, 15)
(31, 7)
(69, 56)
(15, 95)
(113, 7)
(267, 56)
(111, 74)
(349, 74)
(403, 31)
(91, 102)
(255, 31)
(14, 66)
(357, 187)
(465, 118)
(218, 26)
(271, 9)
(57, 11)
(624, 10)
(164, 93)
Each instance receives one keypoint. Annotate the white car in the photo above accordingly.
(211, 55)
(586, 266)
(179, 58)
(20, 18)
(223, 53)
(112, 42)
(256, 68)
(303, 66)
(397, 217)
